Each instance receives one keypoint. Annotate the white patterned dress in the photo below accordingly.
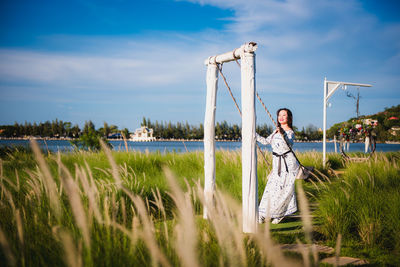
(279, 197)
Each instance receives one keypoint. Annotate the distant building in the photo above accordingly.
(143, 134)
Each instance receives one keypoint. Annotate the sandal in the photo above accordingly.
(277, 220)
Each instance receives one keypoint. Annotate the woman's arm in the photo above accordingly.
(263, 140)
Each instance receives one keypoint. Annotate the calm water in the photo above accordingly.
(179, 146)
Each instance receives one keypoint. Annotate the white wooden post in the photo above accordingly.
(249, 155)
(209, 137)
(367, 140)
(334, 142)
(324, 124)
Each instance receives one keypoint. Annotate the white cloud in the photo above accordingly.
(90, 71)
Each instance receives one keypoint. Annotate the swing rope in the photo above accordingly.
(237, 106)
(269, 114)
(303, 168)
(272, 119)
(259, 98)
(229, 89)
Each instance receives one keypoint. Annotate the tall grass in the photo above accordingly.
(364, 207)
(118, 208)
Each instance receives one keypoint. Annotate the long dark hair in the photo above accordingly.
(289, 117)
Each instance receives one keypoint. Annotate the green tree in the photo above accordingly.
(125, 131)
(105, 131)
(90, 138)
(67, 127)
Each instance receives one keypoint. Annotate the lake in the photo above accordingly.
(179, 146)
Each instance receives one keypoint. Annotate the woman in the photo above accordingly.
(279, 197)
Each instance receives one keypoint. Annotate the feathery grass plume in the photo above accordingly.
(229, 216)
(50, 184)
(148, 206)
(158, 202)
(72, 255)
(369, 225)
(315, 185)
(320, 174)
(273, 253)
(125, 142)
(111, 160)
(185, 230)
(148, 235)
(58, 168)
(134, 227)
(92, 183)
(17, 178)
(9, 182)
(7, 249)
(114, 207)
(304, 253)
(9, 198)
(91, 194)
(321, 183)
(123, 210)
(1, 179)
(20, 228)
(106, 210)
(337, 249)
(225, 216)
(105, 172)
(306, 219)
(36, 185)
(78, 210)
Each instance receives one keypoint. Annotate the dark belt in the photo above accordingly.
(280, 156)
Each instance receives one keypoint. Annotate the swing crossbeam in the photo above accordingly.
(250, 47)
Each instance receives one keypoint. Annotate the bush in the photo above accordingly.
(364, 206)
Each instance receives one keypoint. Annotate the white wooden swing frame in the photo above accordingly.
(249, 154)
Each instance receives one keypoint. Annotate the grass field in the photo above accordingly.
(145, 209)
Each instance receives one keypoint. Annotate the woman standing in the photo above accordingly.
(279, 197)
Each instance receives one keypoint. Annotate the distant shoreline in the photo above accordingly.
(172, 140)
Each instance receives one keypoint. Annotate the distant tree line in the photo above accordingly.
(161, 130)
(58, 129)
(309, 133)
(388, 121)
(223, 131)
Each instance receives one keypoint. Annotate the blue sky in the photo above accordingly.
(118, 61)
